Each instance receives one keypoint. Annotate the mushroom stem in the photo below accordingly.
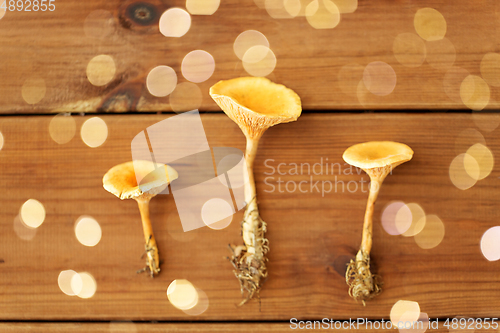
(362, 284)
(250, 262)
(250, 190)
(151, 249)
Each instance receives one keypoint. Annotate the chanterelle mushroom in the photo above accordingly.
(141, 180)
(377, 159)
(255, 104)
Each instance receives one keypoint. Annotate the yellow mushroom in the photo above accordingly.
(255, 104)
(377, 159)
(141, 181)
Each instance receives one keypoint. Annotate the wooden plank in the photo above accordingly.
(311, 236)
(53, 46)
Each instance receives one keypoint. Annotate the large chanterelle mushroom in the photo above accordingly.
(141, 181)
(255, 104)
(377, 159)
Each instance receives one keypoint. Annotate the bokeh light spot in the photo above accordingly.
(484, 159)
(161, 81)
(201, 306)
(259, 60)
(467, 138)
(198, 66)
(1, 141)
(452, 81)
(175, 22)
(276, 9)
(379, 78)
(349, 77)
(396, 218)
(322, 14)
(76, 284)
(490, 246)
(403, 219)
(2, 13)
(22, 230)
(88, 231)
(475, 92)
(186, 96)
(404, 311)
(94, 132)
(471, 166)
(246, 40)
(362, 93)
(458, 173)
(84, 285)
(441, 54)
(33, 90)
(420, 326)
(217, 213)
(293, 7)
(347, 6)
(418, 219)
(70, 282)
(432, 234)
(409, 49)
(182, 294)
(430, 24)
(202, 7)
(101, 70)
(62, 128)
(32, 213)
(99, 24)
(490, 69)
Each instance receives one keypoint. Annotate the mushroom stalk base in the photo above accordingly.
(363, 285)
(151, 249)
(249, 261)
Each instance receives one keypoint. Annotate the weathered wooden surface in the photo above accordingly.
(311, 236)
(54, 47)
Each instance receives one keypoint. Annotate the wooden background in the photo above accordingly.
(54, 47)
(311, 236)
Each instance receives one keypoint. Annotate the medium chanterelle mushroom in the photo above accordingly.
(377, 159)
(141, 180)
(255, 104)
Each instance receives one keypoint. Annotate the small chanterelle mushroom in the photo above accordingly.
(255, 104)
(141, 180)
(377, 159)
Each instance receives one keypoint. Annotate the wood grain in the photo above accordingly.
(53, 46)
(312, 236)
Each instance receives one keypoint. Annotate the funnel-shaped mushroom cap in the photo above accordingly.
(138, 178)
(377, 154)
(256, 103)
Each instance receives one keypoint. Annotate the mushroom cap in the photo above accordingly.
(256, 103)
(376, 154)
(138, 178)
